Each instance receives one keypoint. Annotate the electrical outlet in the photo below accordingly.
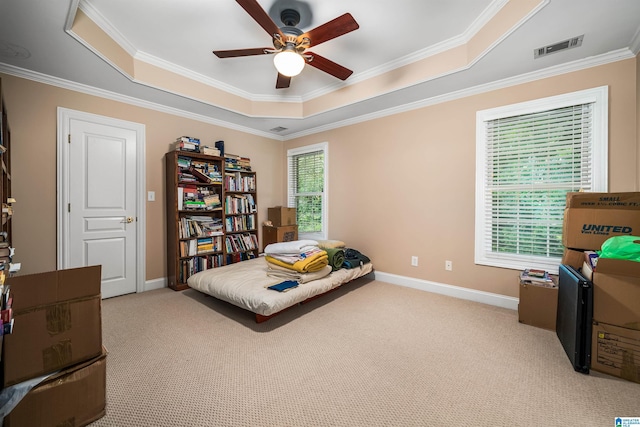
(448, 265)
(414, 261)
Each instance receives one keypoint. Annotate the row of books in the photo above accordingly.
(233, 162)
(240, 223)
(194, 197)
(188, 267)
(241, 242)
(239, 204)
(237, 182)
(239, 256)
(200, 226)
(187, 143)
(537, 277)
(200, 246)
(192, 170)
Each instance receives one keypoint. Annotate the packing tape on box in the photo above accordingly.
(58, 318)
(57, 355)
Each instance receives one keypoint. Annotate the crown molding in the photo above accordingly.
(635, 42)
(614, 56)
(94, 14)
(464, 38)
(482, 20)
(101, 93)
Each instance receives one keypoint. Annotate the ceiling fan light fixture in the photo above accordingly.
(288, 62)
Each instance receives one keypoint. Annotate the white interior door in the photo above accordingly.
(102, 214)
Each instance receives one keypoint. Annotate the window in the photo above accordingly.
(528, 157)
(307, 189)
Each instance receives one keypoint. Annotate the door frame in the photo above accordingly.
(65, 116)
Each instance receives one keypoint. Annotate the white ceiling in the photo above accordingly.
(181, 34)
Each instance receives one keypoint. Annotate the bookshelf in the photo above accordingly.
(241, 216)
(194, 215)
(211, 215)
(5, 178)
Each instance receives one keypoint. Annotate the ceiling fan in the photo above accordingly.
(290, 44)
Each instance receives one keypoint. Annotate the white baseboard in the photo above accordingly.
(449, 290)
(150, 285)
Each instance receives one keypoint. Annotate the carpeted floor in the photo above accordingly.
(369, 354)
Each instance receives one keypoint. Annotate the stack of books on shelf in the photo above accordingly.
(187, 143)
(241, 242)
(200, 226)
(209, 151)
(537, 277)
(239, 204)
(198, 171)
(233, 162)
(194, 197)
(209, 244)
(237, 182)
(189, 267)
(205, 172)
(240, 223)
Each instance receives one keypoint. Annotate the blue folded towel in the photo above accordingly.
(284, 286)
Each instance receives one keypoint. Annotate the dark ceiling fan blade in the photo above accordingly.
(339, 26)
(328, 66)
(283, 81)
(260, 16)
(242, 52)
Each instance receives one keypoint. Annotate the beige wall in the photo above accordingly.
(404, 185)
(401, 185)
(32, 109)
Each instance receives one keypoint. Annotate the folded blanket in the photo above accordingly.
(291, 259)
(329, 244)
(295, 247)
(336, 258)
(286, 274)
(313, 263)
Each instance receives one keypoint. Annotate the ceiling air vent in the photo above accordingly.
(557, 47)
(278, 129)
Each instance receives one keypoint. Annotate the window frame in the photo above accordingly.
(599, 173)
(324, 147)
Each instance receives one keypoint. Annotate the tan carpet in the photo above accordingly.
(370, 354)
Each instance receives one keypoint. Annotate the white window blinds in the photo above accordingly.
(530, 162)
(307, 189)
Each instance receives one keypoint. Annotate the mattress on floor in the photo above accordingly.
(245, 283)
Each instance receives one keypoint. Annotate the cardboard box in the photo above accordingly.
(589, 228)
(628, 200)
(573, 258)
(616, 293)
(278, 234)
(616, 351)
(75, 396)
(538, 306)
(592, 218)
(57, 322)
(280, 216)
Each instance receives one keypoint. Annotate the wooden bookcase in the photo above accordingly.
(5, 178)
(241, 216)
(233, 236)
